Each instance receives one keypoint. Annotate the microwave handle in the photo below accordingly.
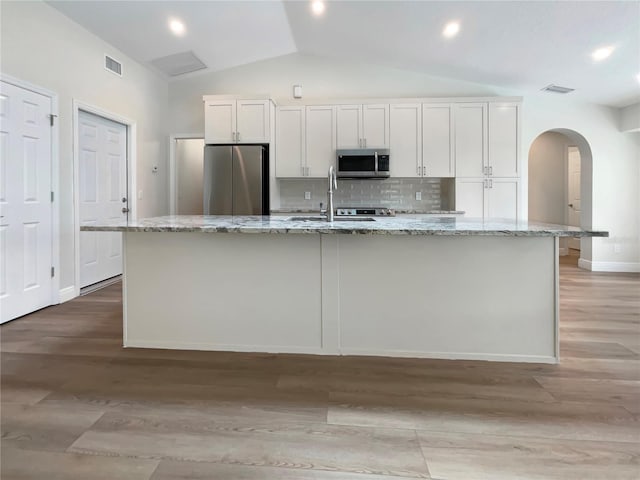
(375, 156)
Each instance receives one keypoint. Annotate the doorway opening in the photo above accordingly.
(560, 187)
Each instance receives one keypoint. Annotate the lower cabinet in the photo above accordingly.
(488, 198)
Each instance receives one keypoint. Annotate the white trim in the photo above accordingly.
(131, 172)
(67, 293)
(622, 267)
(491, 357)
(173, 170)
(224, 348)
(55, 178)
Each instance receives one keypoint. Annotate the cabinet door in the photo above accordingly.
(437, 140)
(290, 142)
(252, 121)
(470, 133)
(502, 198)
(219, 121)
(375, 122)
(470, 196)
(503, 139)
(405, 140)
(321, 139)
(349, 126)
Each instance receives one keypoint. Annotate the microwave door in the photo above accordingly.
(356, 165)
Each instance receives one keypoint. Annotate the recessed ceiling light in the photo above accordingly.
(177, 27)
(451, 29)
(317, 7)
(601, 53)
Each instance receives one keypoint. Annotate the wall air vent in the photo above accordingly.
(179, 63)
(112, 65)
(557, 89)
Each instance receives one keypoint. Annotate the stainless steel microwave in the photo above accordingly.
(362, 163)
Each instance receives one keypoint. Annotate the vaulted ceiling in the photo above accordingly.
(519, 45)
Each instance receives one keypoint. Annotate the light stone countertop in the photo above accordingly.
(381, 226)
(398, 211)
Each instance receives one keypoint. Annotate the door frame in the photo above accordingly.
(55, 178)
(173, 167)
(131, 172)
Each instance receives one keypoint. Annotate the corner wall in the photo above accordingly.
(45, 48)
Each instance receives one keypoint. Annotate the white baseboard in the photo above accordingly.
(562, 251)
(622, 267)
(67, 293)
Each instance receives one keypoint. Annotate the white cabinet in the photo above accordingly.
(320, 145)
(437, 140)
(470, 127)
(504, 141)
(405, 139)
(362, 126)
(236, 121)
(290, 142)
(488, 198)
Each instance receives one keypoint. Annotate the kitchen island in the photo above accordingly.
(452, 288)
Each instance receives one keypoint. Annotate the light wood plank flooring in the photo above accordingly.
(75, 405)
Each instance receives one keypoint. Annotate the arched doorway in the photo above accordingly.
(554, 194)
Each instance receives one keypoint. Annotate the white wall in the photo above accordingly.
(547, 178)
(45, 48)
(630, 118)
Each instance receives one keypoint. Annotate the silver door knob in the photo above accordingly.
(571, 205)
(125, 209)
(124, 199)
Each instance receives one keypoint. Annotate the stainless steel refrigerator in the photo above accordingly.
(236, 180)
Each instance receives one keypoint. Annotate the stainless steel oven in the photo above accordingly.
(362, 163)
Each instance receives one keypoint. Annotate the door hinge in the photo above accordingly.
(52, 117)
(51, 197)
(53, 271)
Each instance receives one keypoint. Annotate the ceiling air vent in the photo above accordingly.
(557, 89)
(179, 63)
(112, 65)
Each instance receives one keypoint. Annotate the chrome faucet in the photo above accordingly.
(333, 185)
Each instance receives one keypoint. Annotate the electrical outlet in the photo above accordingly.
(616, 248)
(307, 195)
(418, 195)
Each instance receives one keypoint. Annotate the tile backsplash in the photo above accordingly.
(399, 193)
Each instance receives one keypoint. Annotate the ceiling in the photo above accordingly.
(518, 45)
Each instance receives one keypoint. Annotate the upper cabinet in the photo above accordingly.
(362, 126)
(405, 139)
(437, 140)
(320, 132)
(290, 142)
(470, 145)
(236, 121)
(504, 139)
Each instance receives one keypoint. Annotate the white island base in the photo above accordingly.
(451, 297)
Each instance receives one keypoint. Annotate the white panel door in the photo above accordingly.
(252, 121)
(502, 198)
(437, 140)
(470, 130)
(290, 125)
(503, 140)
(375, 122)
(405, 145)
(470, 196)
(321, 140)
(25, 202)
(349, 126)
(574, 193)
(219, 121)
(103, 186)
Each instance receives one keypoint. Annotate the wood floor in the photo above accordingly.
(75, 405)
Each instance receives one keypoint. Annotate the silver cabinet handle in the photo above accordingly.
(237, 136)
(490, 183)
(424, 171)
(490, 170)
(418, 170)
(486, 183)
(365, 142)
(233, 136)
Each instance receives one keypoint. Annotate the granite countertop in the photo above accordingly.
(398, 211)
(381, 226)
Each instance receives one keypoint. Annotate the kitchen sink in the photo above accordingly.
(335, 219)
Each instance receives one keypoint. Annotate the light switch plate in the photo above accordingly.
(418, 195)
(307, 195)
